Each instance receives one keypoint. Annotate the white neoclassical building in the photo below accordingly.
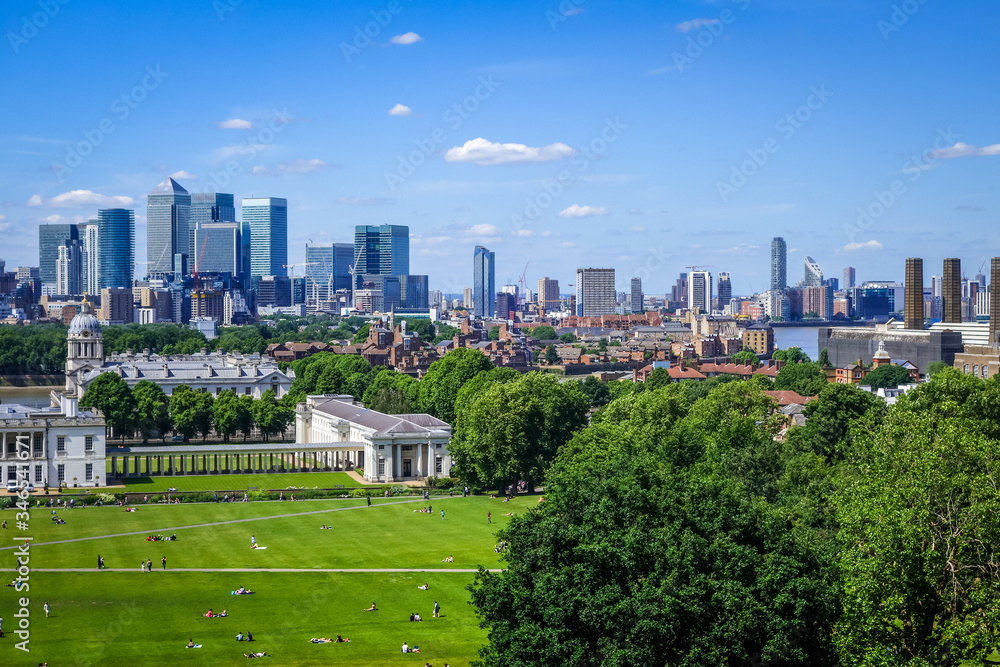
(396, 447)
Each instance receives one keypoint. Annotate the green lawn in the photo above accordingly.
(308, 480)
(134, 618)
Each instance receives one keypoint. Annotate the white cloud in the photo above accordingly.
(365, 201)
(634, 211)
(524, 233)
(637, 230)
(867, 245)
(966, 150)
(406, 38)
(742, 249)
(183, 176)
(82, 199)
(249, 150)
(577, 211)
(301, 166)
(694, 24)
(401, 110)
(55, 219)
(259, 169)
(483, 152)
(567, 244)
(235, 124)
(482, 230)
(4, 226)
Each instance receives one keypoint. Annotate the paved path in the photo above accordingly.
(264, 569)
(174, 529)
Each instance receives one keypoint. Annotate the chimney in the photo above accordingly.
(994, 300)
(913, 294)
(145, 354)
(951, 289)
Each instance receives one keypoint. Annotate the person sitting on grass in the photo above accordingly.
(342, 640)
(224, 613)
(254, 655)
(449, 559)
(321, 640)
(209, 614)
(239, 636)
(249, 637)
(424, 587)
(372, 608)
(416, 617)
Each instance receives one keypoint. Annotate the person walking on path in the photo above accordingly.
(253, 541)
(164, 561)
(98, 561)
(489, 517)
(442, 515)
(369, 501)
(437, 609)
(142, 565)
(47, 609)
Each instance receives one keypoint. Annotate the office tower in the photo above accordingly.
(994, 301)
(813, 273)
(700, 291)
(116, 247)
(381, 250)
(725, 290)
(506, 305)
(209, 207)
(913, 297)
(510, 289)
(548, 294)
(116, 305)
(320, 263)
(90, 278)
(414, 292)
(50, 237)
(68, 269)
(274, 291)
(268, 218)
(595, 292)
(245, 252)
(483, 292)
(678, 293)
(951, 288)
(217, 248)
(850, 277)
(779, 255)
(636, 295)
(467, 298)
(168, 212)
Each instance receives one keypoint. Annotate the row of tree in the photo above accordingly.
(678, 529)
(147, 411)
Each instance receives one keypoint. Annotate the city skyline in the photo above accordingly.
(500, 128)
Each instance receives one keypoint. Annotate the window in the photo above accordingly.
(437, 446)
(437, 464)
(61, 472)
(61, 443)
(36, 442)
(965, 369)
(975, 369)
(381, 467)
(88, 443)
(986, 372)
(246, 391)
(38, 473)
(11, 473)
(407, 448)
(89, 472)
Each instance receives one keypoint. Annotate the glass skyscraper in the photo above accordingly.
(382, 250)
(327, 269)
(218, 248)
(116, 247)
(50, 238)
(268, 220)
(209, 207)
(779, 255)
(168, 212)
(483, 282)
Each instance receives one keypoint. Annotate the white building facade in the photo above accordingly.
(395, 447)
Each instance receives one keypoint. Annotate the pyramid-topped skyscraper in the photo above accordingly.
(167, 237)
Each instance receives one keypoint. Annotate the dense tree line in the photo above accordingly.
(40, 348)
(146, 411)
(677, 528)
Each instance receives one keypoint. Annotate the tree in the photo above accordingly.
(936, 367)
(551, 356)
(392, 392)
(596, 390)
(362, 335)
(478, 384)
(110, 394)
(568, 338)
(226, 412)
(512, 430)
(830, 418)
(745, 356)
(494, 333)
(663, 539)
(191, 411)
(919, 528)
(544, 332)
(152, 409)
(439, 387)
(271, 416)
(887, 376)
(805, 378)
(824, 358)
(792, 355)
(244, 416)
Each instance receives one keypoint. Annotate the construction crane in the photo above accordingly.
(521, 283)
(699, 267)
(197, 266)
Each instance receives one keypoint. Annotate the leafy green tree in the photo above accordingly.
(936, 367)
(191, 411)
(445, 332)
(244, 416)
(551, 356)
(805, 378)
(362, 335)
(439, 387)
(919, 528)
(152, 409)
(544, 332)
(670, 534)
(271, 416)
(568, 338)
(792, 355)
(512, 430)
(480, 382)
(745, 356)
(887, 376)
(110, 394)
(596, 390)
(226, 411)
(494, 333)
(830, 418)
(824, 358)
(392, 392)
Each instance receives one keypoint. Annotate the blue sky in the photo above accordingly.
(643, 136)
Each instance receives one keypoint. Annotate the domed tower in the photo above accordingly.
(84, 346)
(881, 357)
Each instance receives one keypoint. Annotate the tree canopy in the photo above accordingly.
(110, 394)
(806, 378)
(544, 332)
(439, 387)
(887, 376)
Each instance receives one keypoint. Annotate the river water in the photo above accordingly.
(805, 338)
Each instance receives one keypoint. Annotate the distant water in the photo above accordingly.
(804, 338)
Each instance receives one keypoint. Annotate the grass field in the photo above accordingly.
(307, 480)
(121, 616)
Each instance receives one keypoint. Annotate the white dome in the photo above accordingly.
(85, 321)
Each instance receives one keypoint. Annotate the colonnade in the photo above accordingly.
(135, 463)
